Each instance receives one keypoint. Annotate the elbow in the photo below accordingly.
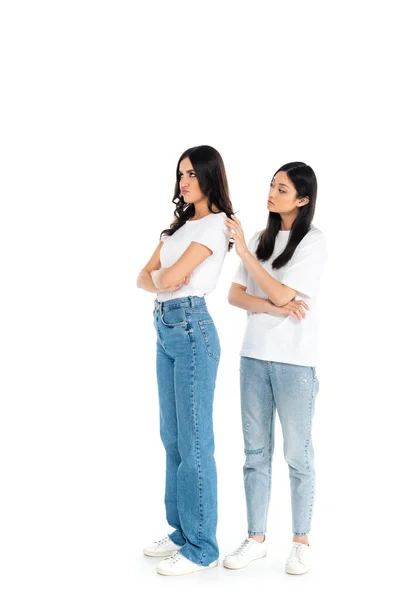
(281, 300)
(139, 280)
(231, 298)
(278, 303)
(278, 300)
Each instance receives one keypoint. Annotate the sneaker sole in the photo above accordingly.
(236, 567)
(160, 554)
(188, 571)
(289, 572)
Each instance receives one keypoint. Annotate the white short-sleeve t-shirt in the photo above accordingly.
(284, 338)
(209, 231)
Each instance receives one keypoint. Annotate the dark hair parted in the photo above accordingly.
(304, 180)
(210, 172)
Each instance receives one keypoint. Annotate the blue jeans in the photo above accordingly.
(188, 352)
(291, 389)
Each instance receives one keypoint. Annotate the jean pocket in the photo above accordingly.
(176, 317)
(211, 339)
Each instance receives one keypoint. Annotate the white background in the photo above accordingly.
(98, 100)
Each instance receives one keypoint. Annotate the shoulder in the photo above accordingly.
(253, 241)
(217, 218)
(313, 237)
(312, 246)
(213, 222)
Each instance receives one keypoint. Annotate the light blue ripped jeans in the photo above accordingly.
(291, 389)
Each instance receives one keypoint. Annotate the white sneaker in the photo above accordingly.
(164, 547)
(177, 564)
(299, 559)
(248, 551)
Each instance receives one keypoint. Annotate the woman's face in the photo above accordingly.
(282, 197)
(188, 183)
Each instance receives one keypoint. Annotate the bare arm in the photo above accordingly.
(193, 256)
(239, 297)
(279, 293)
(145, 280)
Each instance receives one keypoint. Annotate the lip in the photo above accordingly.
(185, 191)
(270, 202)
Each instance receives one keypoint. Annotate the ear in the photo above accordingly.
(303, 201)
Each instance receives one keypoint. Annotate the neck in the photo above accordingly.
(201, 209)
(287, 222)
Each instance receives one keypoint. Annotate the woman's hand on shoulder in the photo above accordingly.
(235, 230)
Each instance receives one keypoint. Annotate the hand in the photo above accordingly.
(234, 229)
(295, 308)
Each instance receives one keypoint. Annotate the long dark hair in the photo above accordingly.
(304, 180)
(210, 171)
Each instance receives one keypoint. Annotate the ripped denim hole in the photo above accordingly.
(258, 451)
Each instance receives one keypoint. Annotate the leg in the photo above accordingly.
(258, 420)
(295, 388)
(169, 437)
(195, 377)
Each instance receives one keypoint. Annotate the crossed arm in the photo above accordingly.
(239, 297)
(153, 278)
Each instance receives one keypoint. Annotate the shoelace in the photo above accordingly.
(175, 557)
(297, 552)
(240, 550)
(162, 542)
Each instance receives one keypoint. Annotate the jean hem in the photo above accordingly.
(202, 563)
(256, 532)
(301, 534)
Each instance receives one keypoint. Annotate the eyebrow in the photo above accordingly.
(188, 171)
(284, 185)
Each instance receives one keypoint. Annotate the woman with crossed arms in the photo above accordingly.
(276, 283)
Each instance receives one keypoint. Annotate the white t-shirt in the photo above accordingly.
(209, 231)
(284, 338)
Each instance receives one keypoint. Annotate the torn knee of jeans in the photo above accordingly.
(257, 451)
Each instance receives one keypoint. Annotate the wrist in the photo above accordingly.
(245, 254)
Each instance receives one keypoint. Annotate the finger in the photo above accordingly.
(233, 223)
(229, 232)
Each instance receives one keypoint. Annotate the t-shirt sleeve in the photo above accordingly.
(212, 234)
(241, 274)
(305, 268)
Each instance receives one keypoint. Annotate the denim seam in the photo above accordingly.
(307, 458)
(269, 466)
(198, 461)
